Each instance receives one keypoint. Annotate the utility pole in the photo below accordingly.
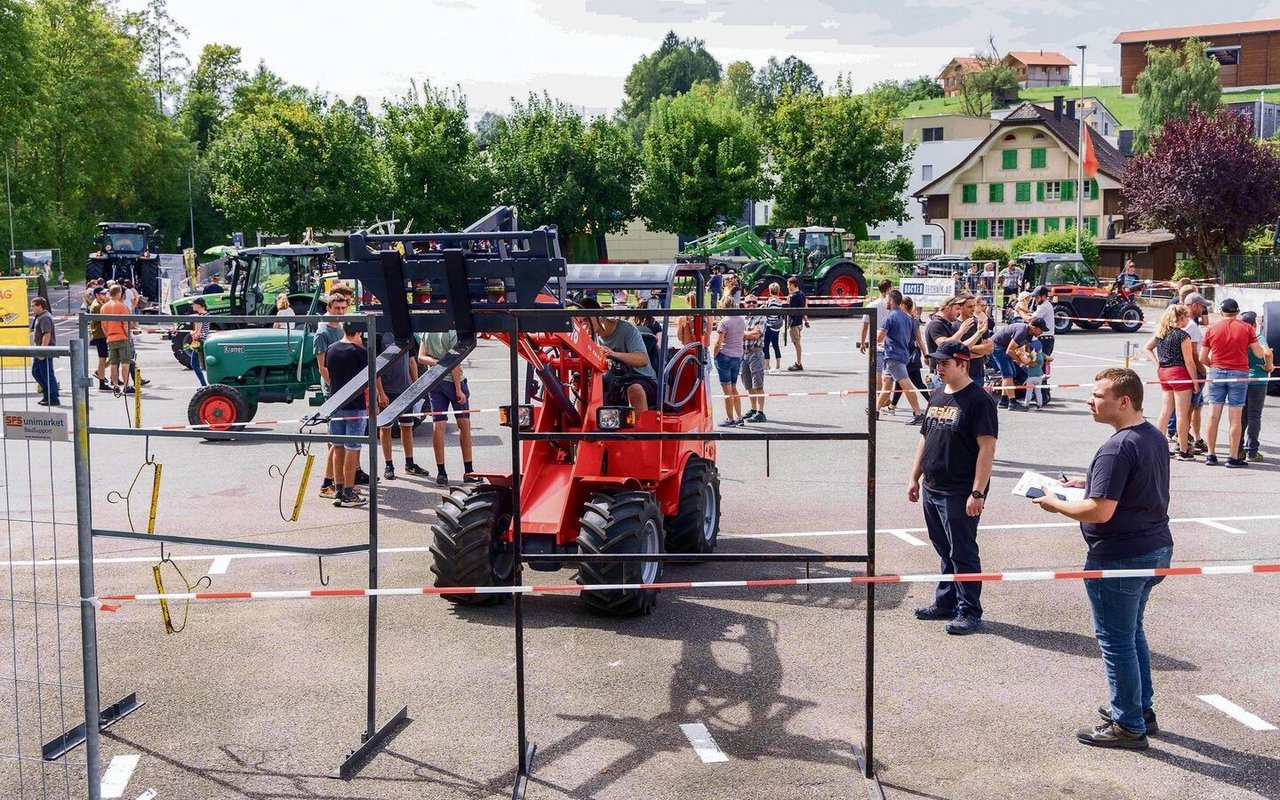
(1080, 153)
(191, 210)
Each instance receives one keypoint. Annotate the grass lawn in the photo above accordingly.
(1124, 107)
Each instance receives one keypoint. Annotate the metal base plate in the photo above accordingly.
(357, 758)
(874, 790)
(56, 748)
(522, 774)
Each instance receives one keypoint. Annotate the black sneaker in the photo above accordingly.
(1004, 403)
(1211, 460)
(350, 500)
(103, 386)
(933, 612)
(1186, 455)
(795, 368)
(442, 479)
(918, 419)
(388, 473)
(1200, 446)
(1148, 717)
(759, 417)
(472, 479)
(414, 469)
(964, 625)
(1236, 463)
(1111, 734)
(750, 416)
(362, 478)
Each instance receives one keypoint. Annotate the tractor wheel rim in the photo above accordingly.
(217, 412)
(502, 555)
(649, 543)
(710, 512)
(844, 286)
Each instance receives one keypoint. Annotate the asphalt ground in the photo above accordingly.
(262, 699)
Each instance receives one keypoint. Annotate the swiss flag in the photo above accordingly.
(1090, 158)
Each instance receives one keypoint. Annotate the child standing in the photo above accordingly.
(1035, 375)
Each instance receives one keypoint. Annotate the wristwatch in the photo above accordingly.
(977, 495)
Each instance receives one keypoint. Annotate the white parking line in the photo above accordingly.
(703, 744)
(1219, 526)
(1236, 712)
(118, 774)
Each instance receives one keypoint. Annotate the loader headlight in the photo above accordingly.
(615, 418)
(524, 414)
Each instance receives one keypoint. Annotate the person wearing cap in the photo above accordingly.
(98, 337)
(1124, 519)
(195, 344)
(1259, 369)
(1010, 280)
(896, 331)
(942, 328)
(951, 475)
(1226, 349)
(1011, 343)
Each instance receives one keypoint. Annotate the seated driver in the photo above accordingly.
(630, 379)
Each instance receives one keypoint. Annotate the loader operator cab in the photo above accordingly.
(258, 274)
(631, 379)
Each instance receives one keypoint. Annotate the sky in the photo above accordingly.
(580, 51)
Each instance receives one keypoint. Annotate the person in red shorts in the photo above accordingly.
(1173, 352)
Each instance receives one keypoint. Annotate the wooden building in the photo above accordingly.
(1248, 53)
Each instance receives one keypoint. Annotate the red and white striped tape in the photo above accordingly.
(106, 601)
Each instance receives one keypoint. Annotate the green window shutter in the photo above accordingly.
(1068, 223)
(1035, 227)
(1008, 229)
(995, 193)
(1093, 190)
(982, 229)
(969, 193)
(958, 230)
(1050, 224)
(1009, 159)
(1093, 226)
(1023, 192)
(1039, 191)
(1068, 190)
(1038, 158)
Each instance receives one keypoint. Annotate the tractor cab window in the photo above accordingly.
(126, 242)
(1075, 273)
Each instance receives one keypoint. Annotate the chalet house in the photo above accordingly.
(1022, 178)
(1037, 69)
(1248, 53)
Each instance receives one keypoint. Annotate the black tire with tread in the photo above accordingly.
(845, 269)
(463, 541)
(614, 522)
(180, 338)
(1131, 327)
(685, 529)
(236, 399)
(1089, 325)
(1061, 322)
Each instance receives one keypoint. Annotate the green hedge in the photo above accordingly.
(1056, 242)
(985, 250)
(897, 249)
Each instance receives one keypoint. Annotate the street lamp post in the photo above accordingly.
(1080, 153)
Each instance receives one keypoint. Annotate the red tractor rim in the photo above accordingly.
(844, 286)
(217, 413)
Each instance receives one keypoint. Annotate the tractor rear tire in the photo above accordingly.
(1061, 320)
(843, 280)
(219, 406)
(696, 523)
(1128, 319)
(1090, 324)
(179, 342)
(467, 547)
(622, 522)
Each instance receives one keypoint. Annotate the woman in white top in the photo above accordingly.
(283, 309)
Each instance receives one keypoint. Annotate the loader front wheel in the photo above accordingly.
(625, 522)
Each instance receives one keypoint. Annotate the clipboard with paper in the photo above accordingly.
(1032, 485)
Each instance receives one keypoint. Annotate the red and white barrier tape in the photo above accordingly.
(106, 602)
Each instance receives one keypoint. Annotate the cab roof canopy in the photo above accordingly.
(124, 226)
(286, 250)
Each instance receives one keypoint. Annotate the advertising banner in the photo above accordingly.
(14, 318)
(927, 292)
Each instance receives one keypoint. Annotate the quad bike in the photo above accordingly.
(593, 494)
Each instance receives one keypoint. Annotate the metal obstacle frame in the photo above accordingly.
(525, 748)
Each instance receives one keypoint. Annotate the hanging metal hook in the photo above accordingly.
(324, 577)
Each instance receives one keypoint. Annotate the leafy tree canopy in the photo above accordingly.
(1173, 84)
(789, 77)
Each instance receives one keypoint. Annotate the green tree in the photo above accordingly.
(702, 159)
(791, 76)
(838, 156)
(159, 39)
(740, 83)
(290, 166)
(1063, 241)
(983, 89)
(1174, 83)
(670, 70)
(437, 176)
(489, 128)
(17, 69)
(263, 89)
(206, 98)
(893, 96)
(559, 170)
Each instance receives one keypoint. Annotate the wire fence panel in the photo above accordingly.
(1255, 269)
(40, 657)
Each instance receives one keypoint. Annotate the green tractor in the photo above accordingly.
(813, 255)
(127, 251)
(254, 279)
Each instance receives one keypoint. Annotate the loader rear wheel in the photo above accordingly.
(620, 523)
(696, 523)
(183, 356)
(467, 547)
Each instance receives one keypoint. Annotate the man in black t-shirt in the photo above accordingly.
(395, 380)
(796, 322)
(957, 448)
(1125, 521)
(941, 328)
(345, 360)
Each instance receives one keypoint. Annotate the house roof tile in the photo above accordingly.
(1040, 58)
(1207, 31)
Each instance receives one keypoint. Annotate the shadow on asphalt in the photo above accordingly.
(1073, 644)
(1254, 773)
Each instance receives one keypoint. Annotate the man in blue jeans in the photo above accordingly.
(345, 360)
(957, 448)
(1125, 521)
